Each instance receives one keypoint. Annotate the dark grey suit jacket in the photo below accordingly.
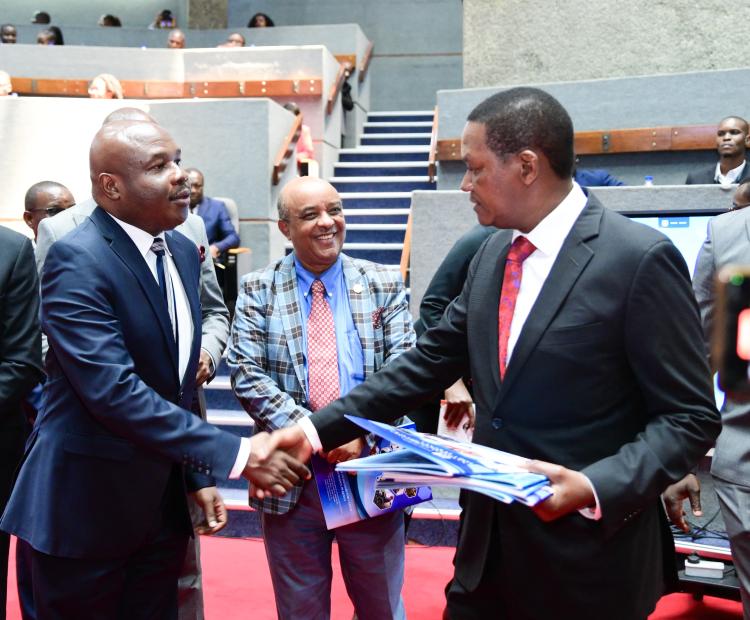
(705, 176)
(609, 377)
(727, 243)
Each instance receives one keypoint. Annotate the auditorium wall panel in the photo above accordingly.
(409, 37)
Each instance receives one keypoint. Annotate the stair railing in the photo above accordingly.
(431, 166)
(286, 150)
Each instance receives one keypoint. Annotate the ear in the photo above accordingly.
(529, 161)
(27, 217)
(284, 228)
(109, 185)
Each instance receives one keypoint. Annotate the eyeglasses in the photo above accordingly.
(50, 211)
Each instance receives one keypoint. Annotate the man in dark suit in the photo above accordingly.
(731, 143)
(100, 496)
(583, 340)
(20, 363)
(221, 233)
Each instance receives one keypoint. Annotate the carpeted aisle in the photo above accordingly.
(237, 586)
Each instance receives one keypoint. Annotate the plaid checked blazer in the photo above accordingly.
(265, 350)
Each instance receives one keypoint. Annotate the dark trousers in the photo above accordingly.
(11, 451)
(142, 586)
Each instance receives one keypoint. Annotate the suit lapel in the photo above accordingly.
(184, 259)
(291, 316)
(126, 250)
(361, 306)
(574, 255)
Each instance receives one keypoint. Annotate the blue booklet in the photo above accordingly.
(441, 461)
(346, 498)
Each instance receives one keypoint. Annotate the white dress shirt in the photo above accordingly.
(143, 241)
(731, 176)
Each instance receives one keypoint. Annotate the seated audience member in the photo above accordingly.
(57, 34)
(8, 34)
(590, 177)
(176, 39)
(221, 234)
(731, 143)
(45, 199)
(346, 89)
(235, 40)
(260, 20)
(6, 86)
(105, 86)
(305, 299)
(109, 21)
(41, 17)
(45, 37)
(306, 164)
(164, 19)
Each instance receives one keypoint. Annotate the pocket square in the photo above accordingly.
(377, 318)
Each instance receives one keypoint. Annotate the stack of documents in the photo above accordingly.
(439, 461)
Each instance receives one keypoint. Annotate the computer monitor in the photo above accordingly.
(687, 232)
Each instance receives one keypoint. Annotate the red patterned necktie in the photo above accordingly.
(520, 250)
(322, 355)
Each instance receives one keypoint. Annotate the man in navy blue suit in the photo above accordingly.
(101, 496)
(221, 233)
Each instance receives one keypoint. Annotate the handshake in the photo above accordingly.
(276, 461)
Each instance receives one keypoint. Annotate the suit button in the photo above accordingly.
(497, 423)
(179, 395)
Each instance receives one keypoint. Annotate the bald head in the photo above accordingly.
(129, 114)
(176, 39)
(136, 176)
(311, 216)
(45, 199)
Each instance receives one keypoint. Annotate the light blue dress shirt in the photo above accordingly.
(350, 354)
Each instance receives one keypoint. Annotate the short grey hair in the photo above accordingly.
(282, 208)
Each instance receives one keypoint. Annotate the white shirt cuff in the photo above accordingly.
(242, 457)
(594, 513)
(311, 433)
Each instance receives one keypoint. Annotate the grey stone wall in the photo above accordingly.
(513, 42)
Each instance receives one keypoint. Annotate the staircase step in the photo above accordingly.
(395, 139)
(376, 216)
(386, 184)
(401, 116)
(398, 127)
(376, 200)
(372, 233)
(378, 168)
(390, 153)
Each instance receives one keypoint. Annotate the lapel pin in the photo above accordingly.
(357, 288)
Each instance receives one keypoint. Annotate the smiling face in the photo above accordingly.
(136, 176)
(8, 34)
(314, 222)
(732, 137)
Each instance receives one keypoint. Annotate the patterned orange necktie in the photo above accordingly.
(322, 355)
(520, 250)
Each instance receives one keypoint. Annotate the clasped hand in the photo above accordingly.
(271, 470)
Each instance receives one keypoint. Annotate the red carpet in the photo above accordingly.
(238, 586)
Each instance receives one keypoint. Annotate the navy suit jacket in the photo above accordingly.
(116, 416)
(706, 176)
(219, 227)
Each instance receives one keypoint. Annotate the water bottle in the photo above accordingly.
(648, 181)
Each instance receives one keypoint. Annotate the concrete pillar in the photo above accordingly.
(207, 14)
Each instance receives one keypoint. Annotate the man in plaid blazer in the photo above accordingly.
(268, 356)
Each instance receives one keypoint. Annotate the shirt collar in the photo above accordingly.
(729, 177)
(142, 239)
(549, 234)
(329, 277)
